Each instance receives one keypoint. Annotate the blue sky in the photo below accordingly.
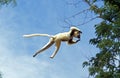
(42, 16)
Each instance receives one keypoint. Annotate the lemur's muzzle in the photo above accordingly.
(79, 35)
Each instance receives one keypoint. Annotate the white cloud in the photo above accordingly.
(19, 66)
(22, 67)
(13, 65)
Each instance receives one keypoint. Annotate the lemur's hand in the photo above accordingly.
(77, 40)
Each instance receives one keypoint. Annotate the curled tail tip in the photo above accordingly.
(27, 36)
(24, 36)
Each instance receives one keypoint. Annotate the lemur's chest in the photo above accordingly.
(63, 36)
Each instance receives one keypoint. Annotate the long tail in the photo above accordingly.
(32, 35)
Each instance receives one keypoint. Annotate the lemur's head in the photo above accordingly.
(75, 32)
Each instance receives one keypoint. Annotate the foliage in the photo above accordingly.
(106, 63)
(7, 2)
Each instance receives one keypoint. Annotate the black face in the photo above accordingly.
(79, 34)
(76, 33)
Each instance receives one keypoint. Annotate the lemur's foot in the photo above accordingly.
(34, 55)
(51, 57)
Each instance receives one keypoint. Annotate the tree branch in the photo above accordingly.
(78, 13)
(88, 21)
